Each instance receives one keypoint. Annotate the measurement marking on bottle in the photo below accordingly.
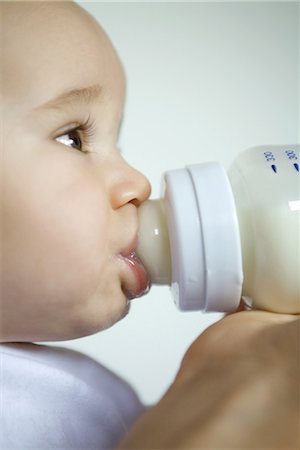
(296, 165)
(274, 168)
(269, 156)
(291, 154)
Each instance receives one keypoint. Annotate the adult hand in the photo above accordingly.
(238, 387)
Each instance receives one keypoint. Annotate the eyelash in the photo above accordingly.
(86, 133)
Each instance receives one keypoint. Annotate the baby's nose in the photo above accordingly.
(142, 190)
(131, 187)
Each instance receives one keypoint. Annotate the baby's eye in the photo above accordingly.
(71, 139)
(80, 137)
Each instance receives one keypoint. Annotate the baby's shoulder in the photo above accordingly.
(62, 397)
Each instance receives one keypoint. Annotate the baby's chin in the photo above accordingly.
(73, 328)
(87, 325)
(110, 319)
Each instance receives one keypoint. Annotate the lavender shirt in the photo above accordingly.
(54, 398)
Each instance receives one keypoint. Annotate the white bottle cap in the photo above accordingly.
(204, 238)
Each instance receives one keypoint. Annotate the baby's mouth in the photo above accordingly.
(139, 283)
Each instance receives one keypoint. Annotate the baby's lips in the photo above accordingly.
(141, 283)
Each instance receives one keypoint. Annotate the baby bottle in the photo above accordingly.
(216, 237)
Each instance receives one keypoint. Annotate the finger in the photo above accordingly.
(243, 306)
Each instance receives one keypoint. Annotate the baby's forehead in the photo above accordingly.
(51, 47)
(22, 13)
(62, 23)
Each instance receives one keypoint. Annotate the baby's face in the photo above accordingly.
(68, 199)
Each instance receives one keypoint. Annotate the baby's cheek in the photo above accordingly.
(78, 238)
(58, 247)
(64, 242)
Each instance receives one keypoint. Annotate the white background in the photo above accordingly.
(205, 81)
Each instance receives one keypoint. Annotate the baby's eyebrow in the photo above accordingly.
(88, 95)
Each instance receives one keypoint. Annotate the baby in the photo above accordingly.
(69, 227)
(68, 199)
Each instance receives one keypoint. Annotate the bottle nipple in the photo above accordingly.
(153, 241)
(189, 239)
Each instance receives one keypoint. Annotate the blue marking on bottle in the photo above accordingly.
(274, 168)
(291, 154)
(296, 165)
